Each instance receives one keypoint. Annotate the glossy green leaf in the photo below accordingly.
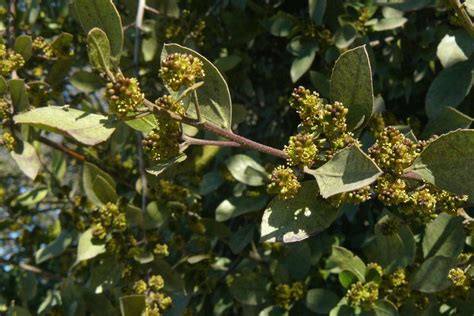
(432, 276)
(345, 36)
(162, 166)
(145, 124)
(214, 96)
(18, 94)
(27, 286)
(391, 251)
(449, 120)
(351, 84)
(350, 169)
(249, 289)
(55, 248)
(385, 308)
(90, 174)
(24, 46)
(27, 159)
(281, 24)
(454, 171)
(444, 237)
(87, 128)
(132, 305)
(317, 8)
(241, 238)
(406, 5)
(387, 24)
(227, 63)
(236, 206)
(86, 249)
(3, 85)
(449, 88)
(455, 47)
(347, 278)
(298, 218)
(321, 83)
(302, 63)
(104, 15)
(86, 81)
(342, 259)
(104, 190)
(246, 170)
(98, 48)
(32, 197)
(321, 301)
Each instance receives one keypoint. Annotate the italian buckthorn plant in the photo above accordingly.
(236, 157)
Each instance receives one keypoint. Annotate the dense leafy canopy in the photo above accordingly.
(236, 157)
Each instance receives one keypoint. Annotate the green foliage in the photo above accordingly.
(131, 183)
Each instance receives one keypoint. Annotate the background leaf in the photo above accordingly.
(350, 169)
(321, 301)
(449, 88)
(351, 84)
(86, 249)
(444, 237)
(246, 170)
(90, 174)
(214, 96)
(432, 276)
(27, 160)
(298, 218)
(101, 14)
(55, 248)
(98, 48)
(87, 128)
(453, 171)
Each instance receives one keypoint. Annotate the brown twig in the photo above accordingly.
(219, 131)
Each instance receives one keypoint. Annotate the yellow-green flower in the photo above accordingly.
(181, 70)
(284, 183)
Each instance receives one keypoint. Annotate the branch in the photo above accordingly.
(136, 62)
(33, 269)
(60, 147)
(463, 16)
(205, 142)
(217, 130)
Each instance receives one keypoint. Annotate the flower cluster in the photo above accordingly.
(169, 103)
(286, 295)
(124, 95)
(393, 152)
(308, 105)
(359, 196)
(458, 277)
(108, 218)
(161, 250)
(301, 150)
(156, 301)
(363, 295)
(323, 133)
(283, 182)
(396, 287)
(181, 70)
(8, 141)
(162, 142)
(9, 60)
(4, 108)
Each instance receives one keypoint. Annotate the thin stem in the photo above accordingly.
(197, 106)
(136, 61)
(217, 130)
(205, 142)
(411, 176)
(64, 149)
